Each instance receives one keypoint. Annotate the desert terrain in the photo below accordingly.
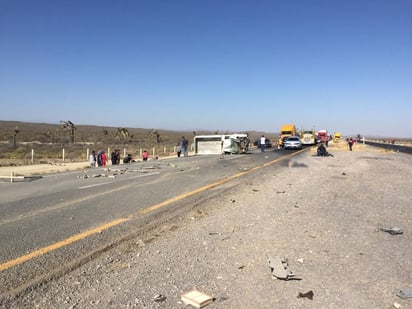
(328, 217)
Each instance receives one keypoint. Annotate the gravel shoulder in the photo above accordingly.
(323, 214)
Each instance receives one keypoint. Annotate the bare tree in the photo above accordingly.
(155, 133)
(122, 133)
(16, 131)
(69, 126)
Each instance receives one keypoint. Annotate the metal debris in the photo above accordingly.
(308, 294)
(159, 298)
(280, 269)
(405, 293)
(392, 230)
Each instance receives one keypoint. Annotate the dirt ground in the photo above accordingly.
(323, 214)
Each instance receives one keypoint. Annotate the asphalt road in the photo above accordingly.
(53, 224)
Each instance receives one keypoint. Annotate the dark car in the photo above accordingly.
(268, 143)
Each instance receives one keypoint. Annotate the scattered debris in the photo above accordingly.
(405, 293)
(223, 298)
(343, 173)
(393, 230)
(196, 298)
(396, 305)
(280, 269)
(280, 191)
(308, 294)
(159, 298)
(117, 172)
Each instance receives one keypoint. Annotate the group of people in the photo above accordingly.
(99, 159)
(182, 146)
(322, 152)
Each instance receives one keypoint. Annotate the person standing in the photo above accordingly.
(185, 145)
(92, 159)
(262, 143)
(145, 155)
(179, 150)
(114, 157)
(104, 159)
(350, 143)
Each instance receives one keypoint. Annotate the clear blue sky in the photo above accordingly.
(218, 65)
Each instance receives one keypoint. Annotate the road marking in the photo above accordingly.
(60, 244)
(143, 211)
(68, 203)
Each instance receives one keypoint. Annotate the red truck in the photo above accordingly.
(323, 136)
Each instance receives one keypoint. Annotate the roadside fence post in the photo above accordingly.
(63, 154)
(154, 150)
(32, 156)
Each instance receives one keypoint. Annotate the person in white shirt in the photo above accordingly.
(92, 159)
(262, 143)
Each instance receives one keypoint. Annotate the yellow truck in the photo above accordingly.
(286, 130)
(337, 137)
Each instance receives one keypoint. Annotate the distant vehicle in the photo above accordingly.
(219, 144)
(268, 143)
(285, 131)
(323, 136)
(292, 142)
(308, 138)
(235, 143)
(337, 137)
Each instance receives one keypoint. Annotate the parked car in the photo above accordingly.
(268, 143)
(292, 142)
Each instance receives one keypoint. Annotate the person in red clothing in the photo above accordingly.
(145, 155)
(104, 159)
(351, 141)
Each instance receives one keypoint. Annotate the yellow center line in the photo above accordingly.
(60, 244)
(143, 211)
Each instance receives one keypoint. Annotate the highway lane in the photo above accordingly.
(72, 211)
(393, 147)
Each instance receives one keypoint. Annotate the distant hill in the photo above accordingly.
(59, 133)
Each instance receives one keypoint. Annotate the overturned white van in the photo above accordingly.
(220, 144)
